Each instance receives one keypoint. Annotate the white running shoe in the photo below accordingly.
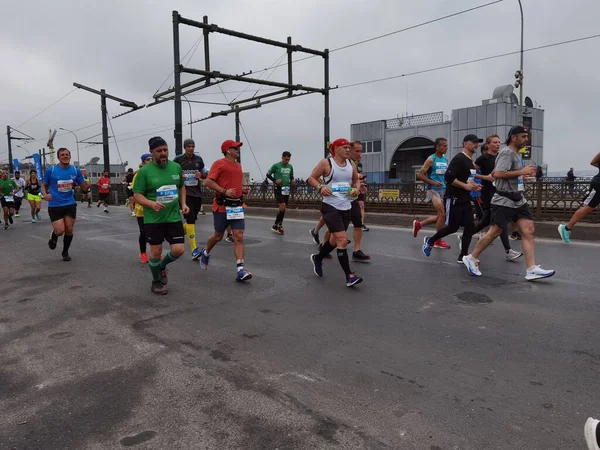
(589, 431)
(537, 272)
(472, 265)
(513, 255)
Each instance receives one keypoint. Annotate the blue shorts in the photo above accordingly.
(221, 223)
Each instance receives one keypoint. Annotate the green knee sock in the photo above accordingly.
(155, 269)
(168, 259)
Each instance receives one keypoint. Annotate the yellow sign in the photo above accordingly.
(389, 193)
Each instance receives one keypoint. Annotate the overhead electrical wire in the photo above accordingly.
(114, 137)
(47, 107)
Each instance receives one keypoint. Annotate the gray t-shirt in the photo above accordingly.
(507, 161)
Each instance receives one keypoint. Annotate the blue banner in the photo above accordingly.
(16, 165)
(38, 165)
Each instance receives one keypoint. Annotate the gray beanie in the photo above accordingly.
(188, 142)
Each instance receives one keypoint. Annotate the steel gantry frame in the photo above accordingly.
(209, 77)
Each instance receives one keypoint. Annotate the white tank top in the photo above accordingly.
(340, 182)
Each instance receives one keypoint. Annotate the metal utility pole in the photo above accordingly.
(237, 129)
(103, 96)
(11, 138)
(178, 133)
(191, 125)
(520, 78)
(326, 130)
(76, 142)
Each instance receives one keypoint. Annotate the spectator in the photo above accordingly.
(570, 181)
(539, 173)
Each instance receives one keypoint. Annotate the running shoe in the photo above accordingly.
(98, 205)
(17, 214)
(163, 277)
(243, 275)
(472, 265)
(353, 279)
(317, 265)
(10, 219)
(229, 238)
(591, 434)
(281, 232)
(360, 256)
(365, 228)
(51, 242)
(106, 211)
(143, 258)
(196, 253)
(89, 205)
(440, 243)
(159, 288)
(275, 228)
(32, 220)
(37, 215)
(426, 246)
(516, 236)
(204, 259)
(202, 213)
(6, 226)
(538, 272)
(513, 255)
(315, 236)
(565, 234)
(416, 227)
(65, 256)
(459, 260)
(132, 213)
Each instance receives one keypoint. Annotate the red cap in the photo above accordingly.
(229, 144)
(337, 143)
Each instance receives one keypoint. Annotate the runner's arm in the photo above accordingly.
(317, 173)
(182, 196)
(423, 170)
(451, 173)
(212, 184)
(596, 160)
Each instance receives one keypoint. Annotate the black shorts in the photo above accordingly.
(194, 203)
(280, 198)
(102, 197)
(171, 232)
(85, 192)
(593, 198)
(6, 204)
(129, 193)
(362, 197)
(60, 212)
(355, 215)
(503, 215)
(335, 219)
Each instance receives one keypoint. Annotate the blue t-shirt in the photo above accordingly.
(437, 172)
(61, 181)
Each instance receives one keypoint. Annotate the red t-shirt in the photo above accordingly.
(228, 175)
(103, 185)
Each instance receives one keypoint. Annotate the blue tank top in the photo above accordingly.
(437, 172)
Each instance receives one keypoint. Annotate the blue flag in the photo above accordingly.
(16, 165)
(38, 165)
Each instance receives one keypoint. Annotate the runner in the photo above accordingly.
(460, 179)
(485, 166)
(86, 194)
(282, 175)
(34, 196)
(432, 174)
(194, 170)
(139, 213)
(20, 193)
(226, 178)
(509, 205)
(103, 190)
(357, 211)
(159, 189)
(8, 188)
(128, 179)
(340, 188)
(589, 204)
(362, 197)
(57, 190)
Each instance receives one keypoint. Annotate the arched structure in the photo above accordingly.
(409, 156)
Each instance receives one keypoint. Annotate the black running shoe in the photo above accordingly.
(51, 242)
(10, 219)
(360, 256)
(65, 256)
(159, 288)
(315, 236)
(317, 265)
(516, 236)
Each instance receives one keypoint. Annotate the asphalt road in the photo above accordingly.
(419, 356)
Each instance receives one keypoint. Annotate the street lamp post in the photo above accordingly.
(190, 105)
(520, 78)
(76, 142)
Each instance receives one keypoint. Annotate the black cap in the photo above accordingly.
(516, 130)
(472, 138)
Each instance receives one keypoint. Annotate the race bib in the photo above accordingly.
(105, 186)
(520, 184)
(189, 178)
(340, 189)
(472, 176)
(167, 194)
(285, 190)
(9, 198)
(234, 212)
(64, 185)
(440, 168)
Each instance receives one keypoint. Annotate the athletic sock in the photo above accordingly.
(279, 218)
(325, 250)
(154, 265)
(54, 236)
(168, 259)
(240, 265)
(67, 242)
(342, 254)
(190, 231)
(567, 228)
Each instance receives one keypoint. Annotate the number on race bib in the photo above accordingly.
(340, 189)
(285, 190)
(64, 185)
(167, 194)
(520, 184)
(234, 212)
(9, 198)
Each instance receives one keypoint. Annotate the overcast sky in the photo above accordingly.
(126, 47)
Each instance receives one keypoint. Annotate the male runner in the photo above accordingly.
(432, 174)
(194, 170)
(282, 175)
(485, 165)
(139, 213)
(103, 190)
(128, 179)
(340, 188)
(159, 189)
(509, 205)
(589, 204)
(86, 194)
(21, 183)
(226, 178)
(8, 188)
(357, 211)
(460, 180)
(57, 190)
(362, 197)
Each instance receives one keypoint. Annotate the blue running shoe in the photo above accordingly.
(196, 254)
(472, 265)
(353, 279)
(317, 265)
(426, 247)
(243, 275)
(204, 259)
(565, 234)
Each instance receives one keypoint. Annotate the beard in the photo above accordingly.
(161, 162)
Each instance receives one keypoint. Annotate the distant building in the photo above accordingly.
(395, 149)
(95, 170)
